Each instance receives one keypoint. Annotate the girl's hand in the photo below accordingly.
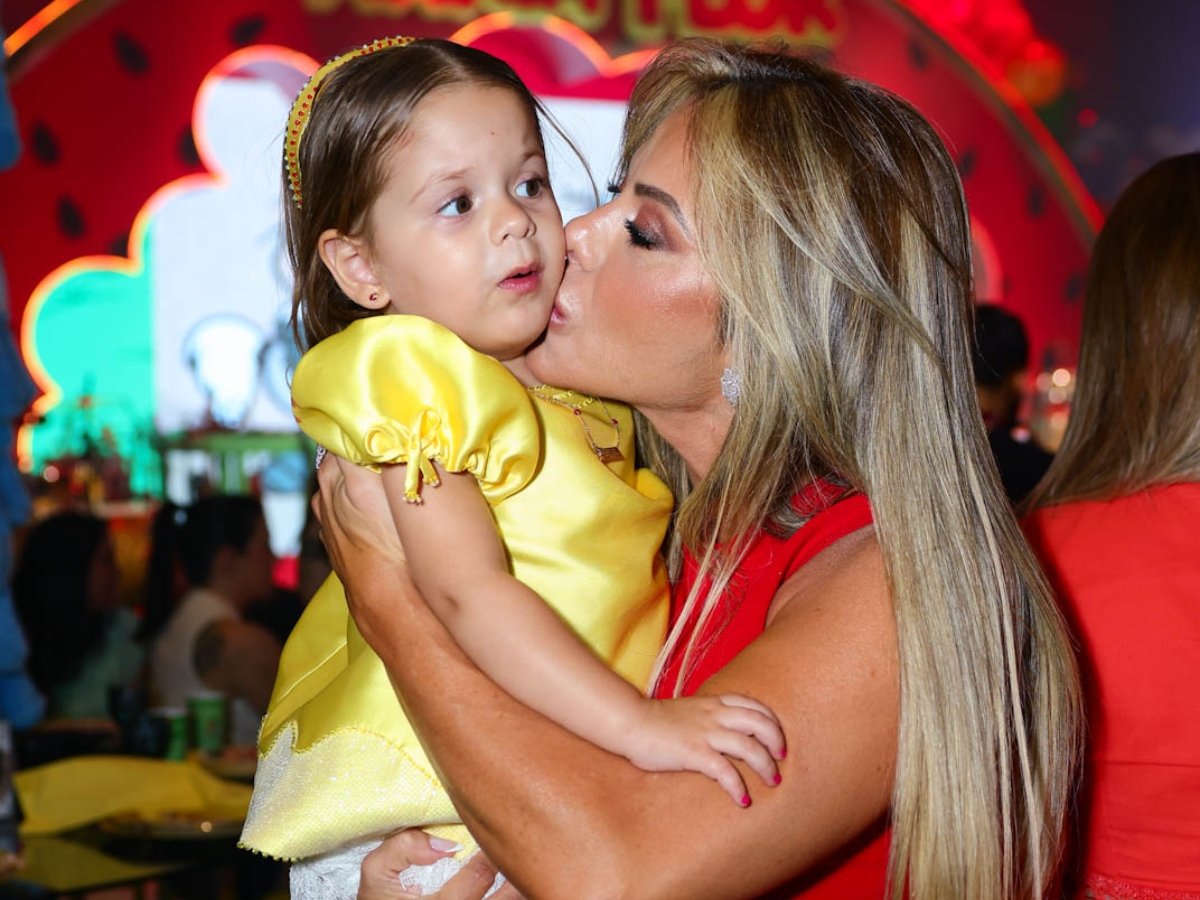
(382, 867)
(702, 734)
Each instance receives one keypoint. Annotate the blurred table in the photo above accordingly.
(79, 862)
(75, 863)
(135, 842)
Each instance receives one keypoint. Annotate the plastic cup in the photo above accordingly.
(175, 730)
(208, 713)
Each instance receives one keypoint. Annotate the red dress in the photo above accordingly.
(1127, 574)
(861, 871)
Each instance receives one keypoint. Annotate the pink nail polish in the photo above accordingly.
(783, 753)
(778, 778)
(745, 800)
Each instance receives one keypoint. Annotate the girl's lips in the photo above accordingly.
(522, 282)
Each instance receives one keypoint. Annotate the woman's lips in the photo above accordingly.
(556, 315)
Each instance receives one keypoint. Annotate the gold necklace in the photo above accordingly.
(561, 398)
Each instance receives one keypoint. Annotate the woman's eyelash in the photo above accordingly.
(637, 237)
(613, 189)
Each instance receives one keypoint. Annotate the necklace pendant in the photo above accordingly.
(608, 455)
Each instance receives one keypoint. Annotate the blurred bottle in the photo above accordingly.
(9, 842)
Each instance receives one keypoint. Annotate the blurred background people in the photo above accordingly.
(282, 608)
(1001, 363)
(1117, 525)
(208, 563)
(81, 637)
(21, 704)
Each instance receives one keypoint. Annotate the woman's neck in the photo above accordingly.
(696, 434)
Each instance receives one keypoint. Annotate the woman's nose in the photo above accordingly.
(581, 239)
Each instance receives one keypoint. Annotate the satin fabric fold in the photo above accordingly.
(338, 760)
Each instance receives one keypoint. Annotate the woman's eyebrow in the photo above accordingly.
(660, 196)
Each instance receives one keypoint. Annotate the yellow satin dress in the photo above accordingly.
(338, 761)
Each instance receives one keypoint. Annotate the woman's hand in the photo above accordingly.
(353, 511)
(360, 537)
(382, 868)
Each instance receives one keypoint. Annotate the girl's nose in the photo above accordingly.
(514, 221)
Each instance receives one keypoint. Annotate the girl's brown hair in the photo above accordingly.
(1135, 416)
(363, 107)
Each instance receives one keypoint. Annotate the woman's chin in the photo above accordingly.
(550, 364)
(540, 361)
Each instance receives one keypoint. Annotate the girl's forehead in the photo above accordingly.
(469, 111)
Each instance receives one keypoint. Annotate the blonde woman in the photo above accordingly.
(1118, 528)
(781, 288)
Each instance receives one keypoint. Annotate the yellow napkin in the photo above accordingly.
(66, 866)
(75, 792)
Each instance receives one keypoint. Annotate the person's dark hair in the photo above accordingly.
(50, 591)
(1001, 346)
(363, 107)
(185, 541)
(1135, 416)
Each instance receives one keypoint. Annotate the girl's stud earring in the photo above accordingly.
(374, 297)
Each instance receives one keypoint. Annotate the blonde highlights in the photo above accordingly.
(831, 219)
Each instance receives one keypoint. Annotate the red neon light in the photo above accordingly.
(569, 32)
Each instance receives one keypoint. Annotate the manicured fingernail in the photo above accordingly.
(778, 778)
(783, 753)
(745, 800)
(443, 845)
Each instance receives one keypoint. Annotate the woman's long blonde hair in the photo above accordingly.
(1135, 417)
(832, 220)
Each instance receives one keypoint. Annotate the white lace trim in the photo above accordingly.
(335, 875)
(314, 801)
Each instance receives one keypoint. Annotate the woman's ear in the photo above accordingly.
(348, 261)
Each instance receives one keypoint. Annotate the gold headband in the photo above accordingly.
(302, 107)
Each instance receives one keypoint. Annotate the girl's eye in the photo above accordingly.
(637, 236)
(459, 206)
(530, 187)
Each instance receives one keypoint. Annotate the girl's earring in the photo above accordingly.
(731, 385)
(374, 297)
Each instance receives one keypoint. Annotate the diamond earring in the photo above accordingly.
(731, 385)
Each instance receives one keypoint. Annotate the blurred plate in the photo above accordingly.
(234, 766)
(172, 826)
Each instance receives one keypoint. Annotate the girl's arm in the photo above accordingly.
(459, 565)
(562, 818)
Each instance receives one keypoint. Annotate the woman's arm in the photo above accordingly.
(459, 565)
(563, 818)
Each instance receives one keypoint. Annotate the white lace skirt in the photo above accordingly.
(335, 875)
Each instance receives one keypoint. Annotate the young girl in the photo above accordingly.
(419, 184)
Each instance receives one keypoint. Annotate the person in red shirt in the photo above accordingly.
(1117, 525)
(781, 287)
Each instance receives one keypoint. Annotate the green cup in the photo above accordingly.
(176, 729)
(208, 713)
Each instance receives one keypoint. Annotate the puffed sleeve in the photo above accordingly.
(403, 389)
